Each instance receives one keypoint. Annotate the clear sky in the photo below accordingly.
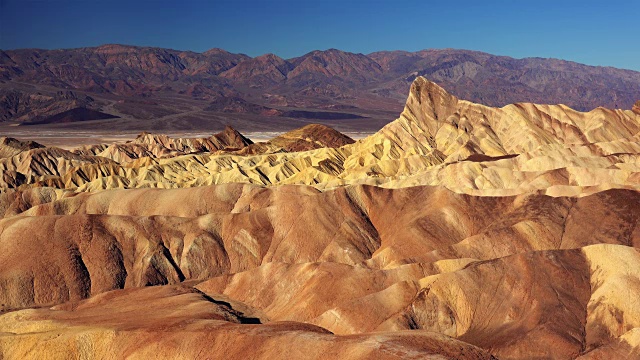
(605, 32)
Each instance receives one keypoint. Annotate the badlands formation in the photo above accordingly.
(458, 231)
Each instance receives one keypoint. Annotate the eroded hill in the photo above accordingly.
(458, 231)
(438, 140)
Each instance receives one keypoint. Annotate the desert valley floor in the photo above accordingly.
(457, 231)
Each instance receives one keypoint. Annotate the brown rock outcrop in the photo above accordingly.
(10, 147)
(309, 137)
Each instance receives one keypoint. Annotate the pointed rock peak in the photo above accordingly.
(151, 139)
(422, 85)
(9, 142)
(316, 131)
(636, 107)
(232, 137)
(17, 143)
(10, 147)
(269, 57)
(427, 105)
(331, 51)
(230, 131)
(266, 60)
(216, 51)
(310, 137)
(319, 127)
(143, 134)
(424, 90)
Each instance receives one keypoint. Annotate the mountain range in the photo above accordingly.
(145, 88)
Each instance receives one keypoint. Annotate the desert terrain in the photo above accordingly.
(457, 231)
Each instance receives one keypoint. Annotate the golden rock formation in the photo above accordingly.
(458, 231)
(438, 140)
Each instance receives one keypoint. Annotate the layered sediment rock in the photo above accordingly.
(506, 232)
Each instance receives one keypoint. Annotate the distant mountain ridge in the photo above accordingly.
(110, 78)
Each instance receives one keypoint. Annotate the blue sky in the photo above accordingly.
(603, 32)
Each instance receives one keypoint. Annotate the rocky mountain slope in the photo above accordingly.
(458, 231)
(187, 90)
(438, 140)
